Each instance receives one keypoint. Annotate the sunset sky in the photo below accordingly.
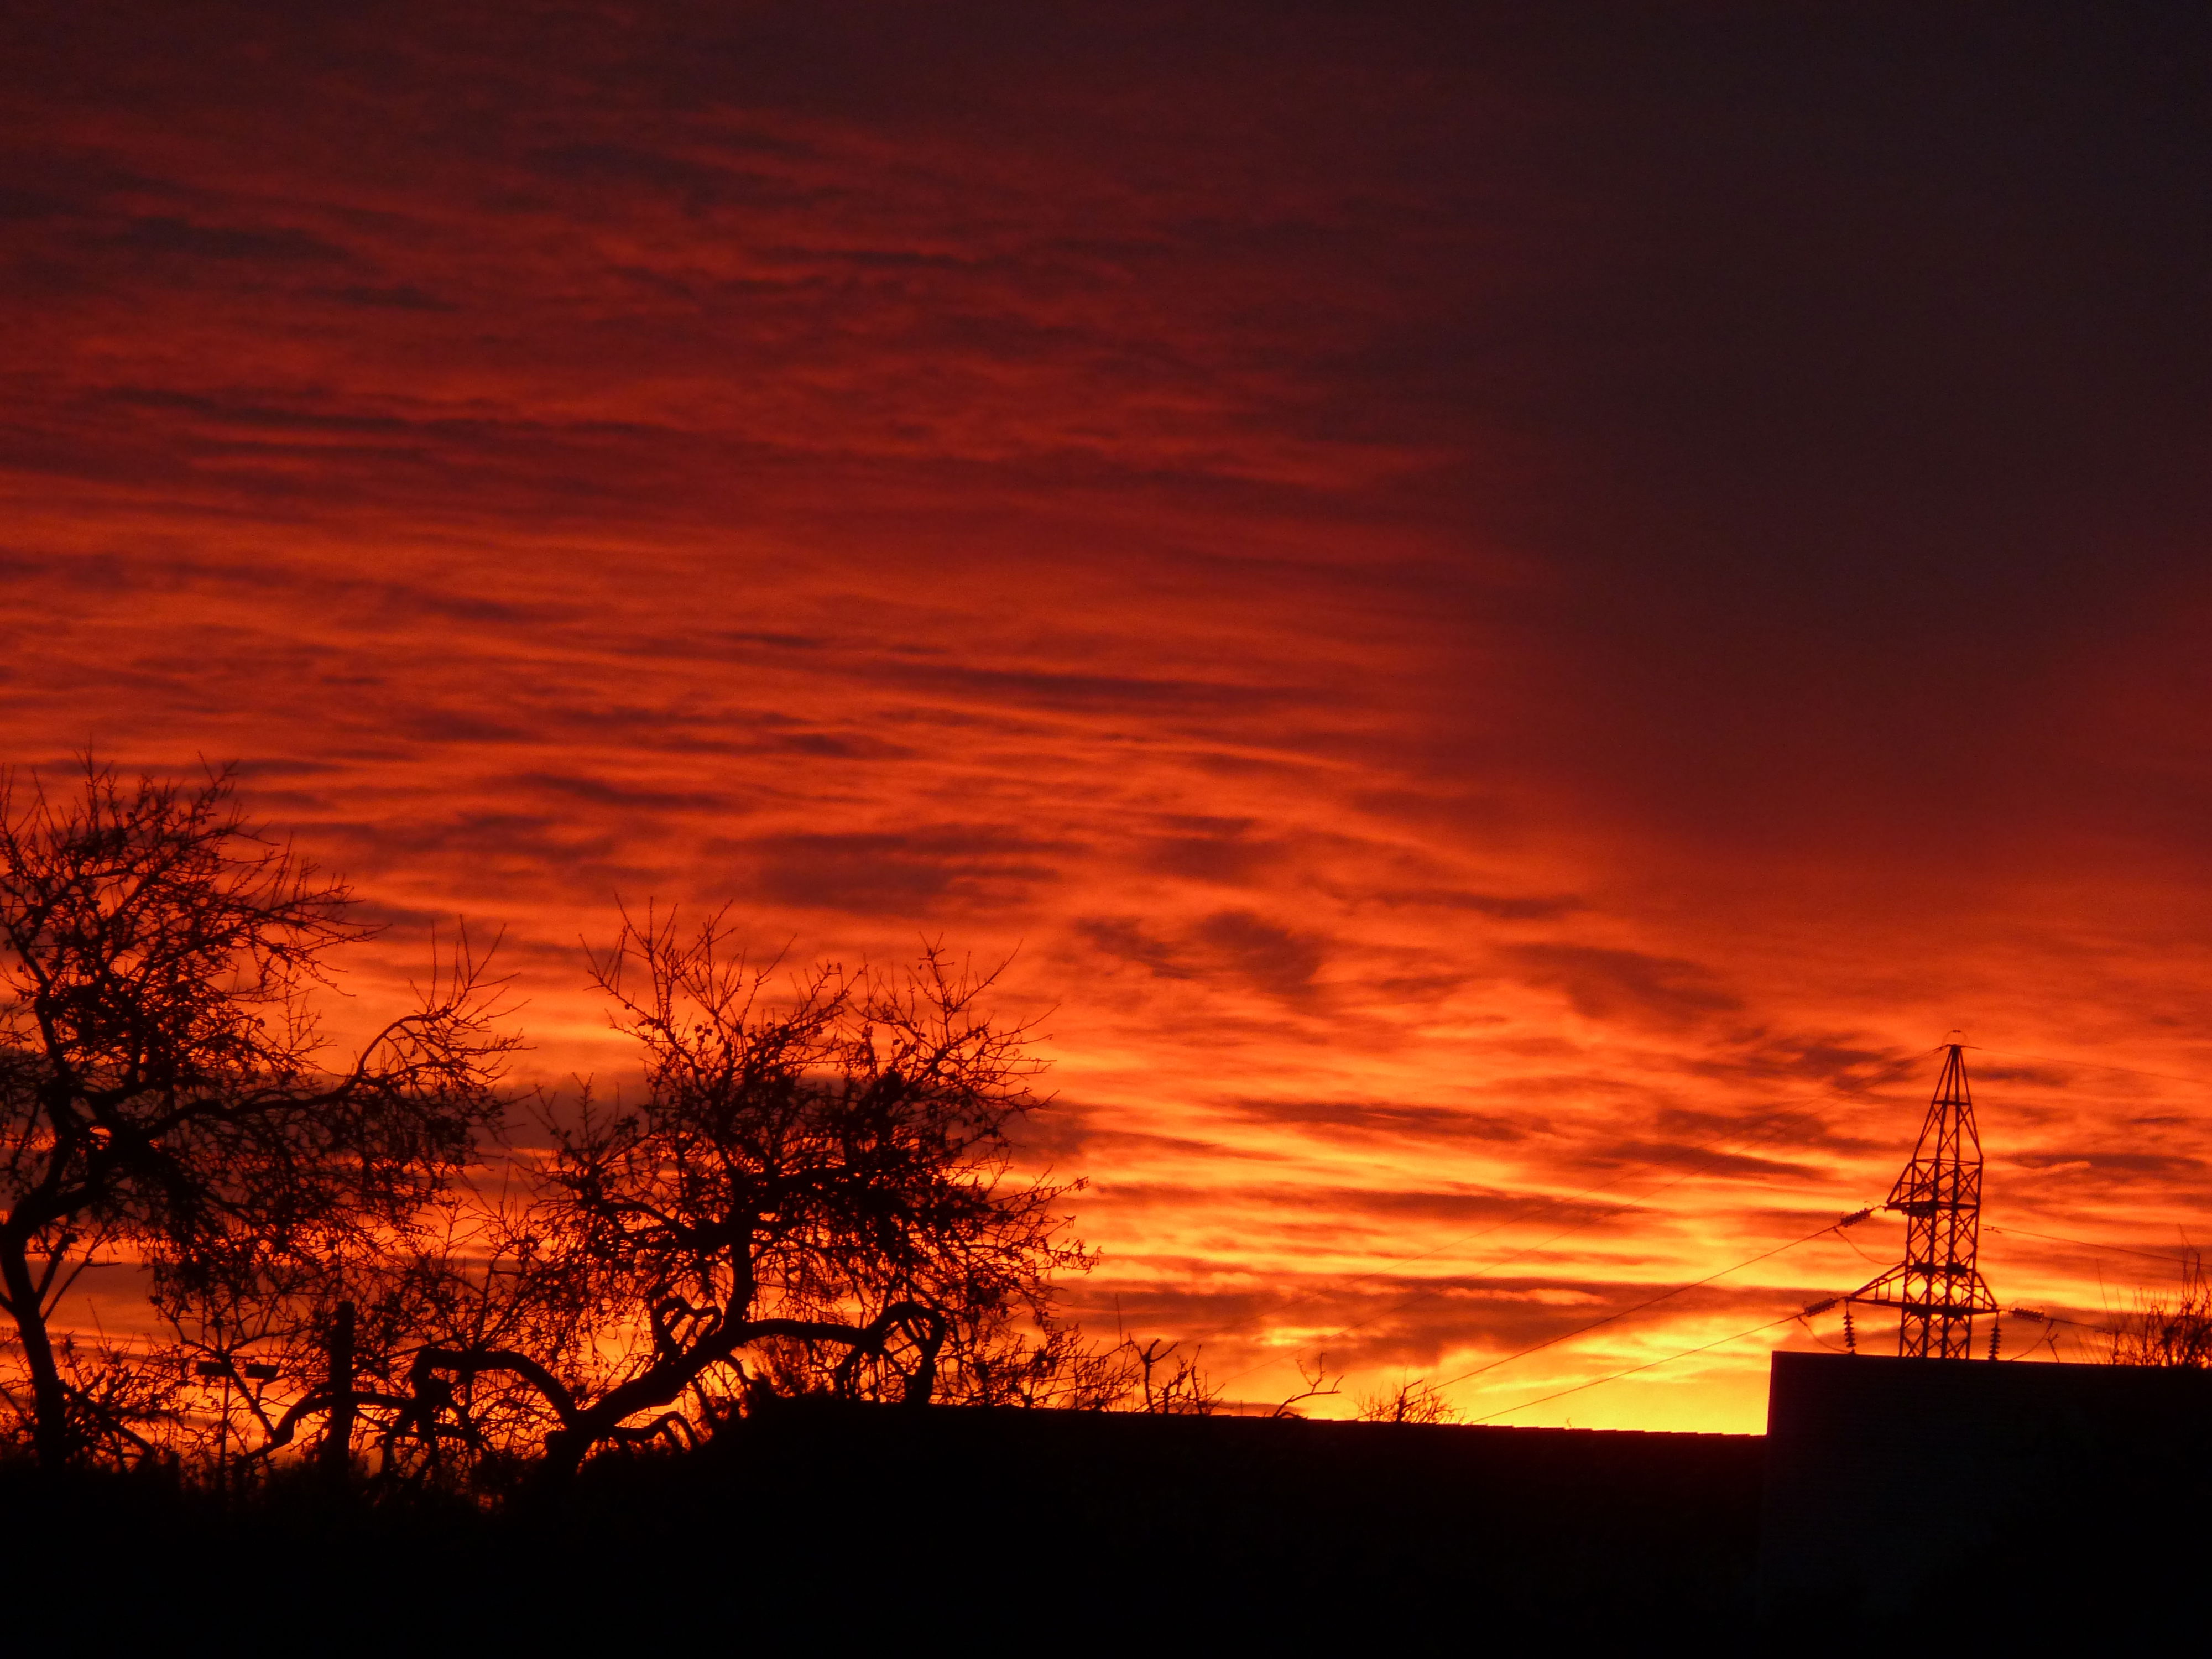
(1509, 613)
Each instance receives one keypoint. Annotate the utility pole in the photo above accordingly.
(1937, 1290)
(208, 1371)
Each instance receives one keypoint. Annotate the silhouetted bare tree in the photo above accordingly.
(1169, 1384)
(1048, 1366)
(813, 1193)
(1415, 1401)
(2176, 1333)
(1318, 1385)
(342, 1337)
(163, 1089)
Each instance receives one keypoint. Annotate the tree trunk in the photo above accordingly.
(49, 1404)
(336, 1454)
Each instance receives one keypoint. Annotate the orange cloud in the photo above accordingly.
(1506, 635)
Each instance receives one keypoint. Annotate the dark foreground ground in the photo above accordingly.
(841, 1529)
(1016, 1531)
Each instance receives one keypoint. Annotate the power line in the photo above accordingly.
(1724, 1272)
(1649, 1364)
(1624, 1313)
(1567, 1336)
(1765, 1121)
(2112, 1249)
(2061, 1319)
(2094, 1065)
(1719, 1156)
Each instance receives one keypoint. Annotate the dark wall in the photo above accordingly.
(1969, 1492)
(1961, 1494)
(1044, 1530)
(1252, 1518)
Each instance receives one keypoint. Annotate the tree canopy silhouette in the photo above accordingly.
(163, 1085)
(811, 1189)
(812, 1192)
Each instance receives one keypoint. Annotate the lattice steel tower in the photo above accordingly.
(1936, 1289)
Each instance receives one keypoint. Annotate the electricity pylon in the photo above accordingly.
(1936, 1289)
